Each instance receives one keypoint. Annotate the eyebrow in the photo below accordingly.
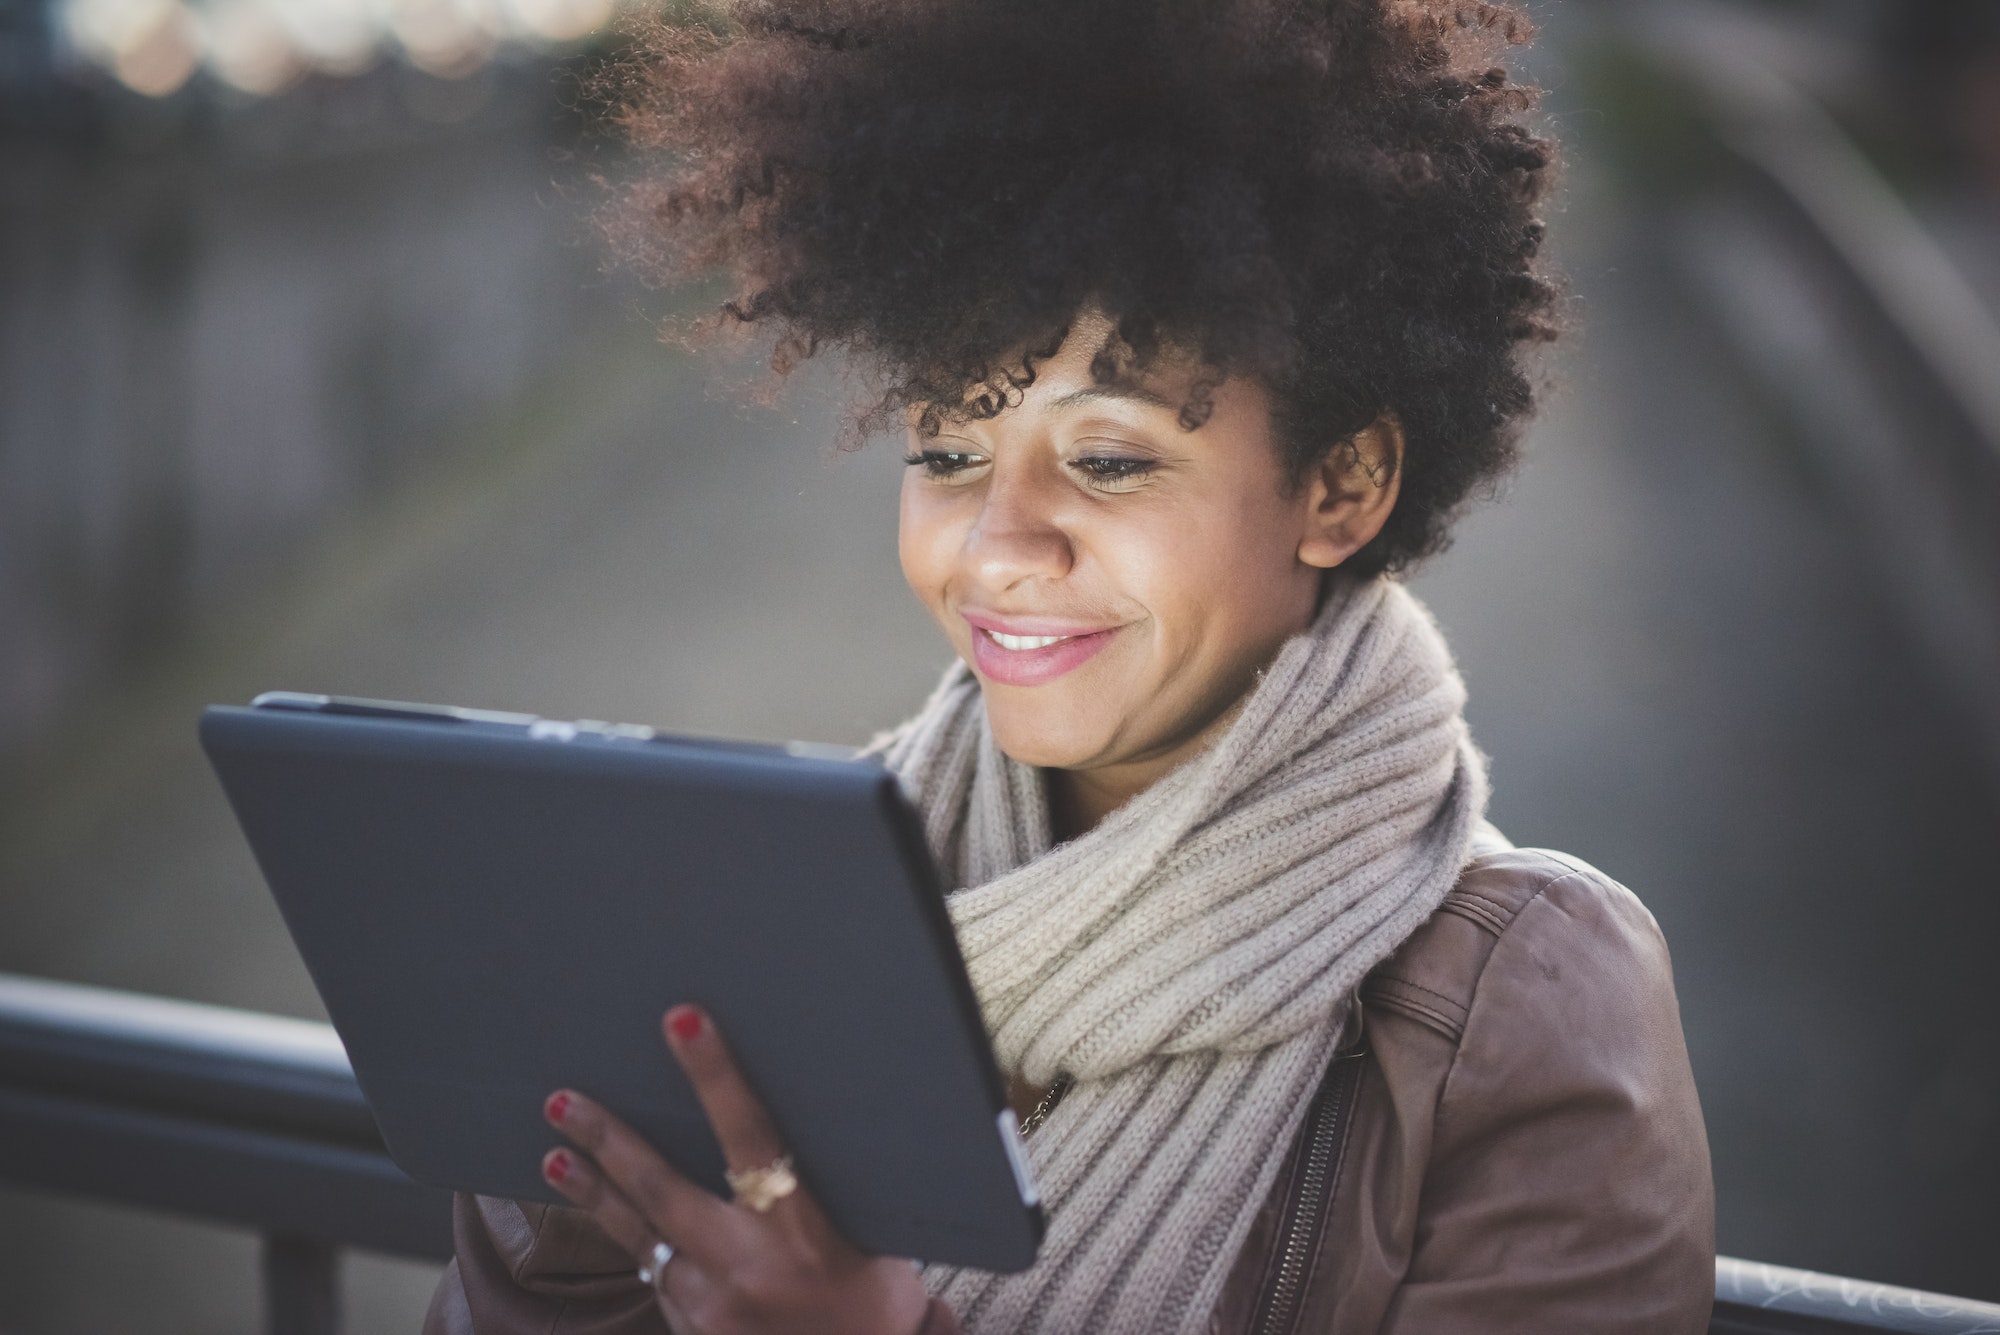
(1127, 393)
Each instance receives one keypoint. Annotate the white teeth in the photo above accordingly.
(1026, 641)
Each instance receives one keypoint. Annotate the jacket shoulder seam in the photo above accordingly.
(1446, 998)
(1393, 993)
(1392, 990)
(1569, 873)
(1565, 868)
(1477, 910)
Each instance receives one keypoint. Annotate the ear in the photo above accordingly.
(1349, 494)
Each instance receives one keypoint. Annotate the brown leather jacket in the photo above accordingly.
(1511, 1144)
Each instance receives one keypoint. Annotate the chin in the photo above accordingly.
(1043, 743)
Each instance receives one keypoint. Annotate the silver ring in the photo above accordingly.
(655, 1268)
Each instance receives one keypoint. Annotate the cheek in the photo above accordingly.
(924, 541)
(1216, 570)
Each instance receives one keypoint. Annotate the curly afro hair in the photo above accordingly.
(1335, 196)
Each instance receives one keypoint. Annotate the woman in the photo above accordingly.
(1201, 321)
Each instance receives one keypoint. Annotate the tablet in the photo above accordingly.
(494, 905)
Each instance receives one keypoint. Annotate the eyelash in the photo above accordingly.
(940, 464)
(1103, 471)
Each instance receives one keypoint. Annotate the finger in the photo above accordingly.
(677, 1209)
(744, 1128)
(586, 1188)
(680, 1284)
(686, 1290)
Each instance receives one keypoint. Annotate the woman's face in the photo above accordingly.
(1115, 581)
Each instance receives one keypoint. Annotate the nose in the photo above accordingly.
(1019, 535)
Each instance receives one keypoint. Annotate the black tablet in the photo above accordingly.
(495, 905)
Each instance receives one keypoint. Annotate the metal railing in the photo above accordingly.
(256, 1120)
(224, 1114)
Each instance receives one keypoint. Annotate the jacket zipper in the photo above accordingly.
(1278, 1308)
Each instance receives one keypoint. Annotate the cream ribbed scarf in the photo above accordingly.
(1190, 961)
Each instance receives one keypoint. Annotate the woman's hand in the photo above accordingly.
(734, 1271)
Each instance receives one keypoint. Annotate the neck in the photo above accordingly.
(1080, 798)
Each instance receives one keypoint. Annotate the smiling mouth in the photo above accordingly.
(1020, 642)
(1031, 660)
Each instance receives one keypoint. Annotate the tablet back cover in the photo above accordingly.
(489, 915)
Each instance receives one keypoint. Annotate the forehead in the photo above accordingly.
(1092, 365)
(1092, 370)
(1126, 393)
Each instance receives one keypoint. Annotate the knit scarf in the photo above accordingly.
(1190, 962)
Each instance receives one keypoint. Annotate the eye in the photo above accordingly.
(1112, 472)
(943, 465)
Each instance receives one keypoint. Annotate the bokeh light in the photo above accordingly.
(151, 45)
(262, 47)
(248, 49)
(562, 20)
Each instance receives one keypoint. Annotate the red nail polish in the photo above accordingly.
(686, 1024)
(557, 1107)
(557, 1168)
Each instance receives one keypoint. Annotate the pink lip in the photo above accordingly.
(1032, 667)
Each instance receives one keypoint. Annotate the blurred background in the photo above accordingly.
(312, 377)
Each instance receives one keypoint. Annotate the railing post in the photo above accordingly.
(301, 1286)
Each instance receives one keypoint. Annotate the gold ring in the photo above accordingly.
(762, 1188)
(655, 1270)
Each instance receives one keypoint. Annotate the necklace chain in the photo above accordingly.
(1046, 1106)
